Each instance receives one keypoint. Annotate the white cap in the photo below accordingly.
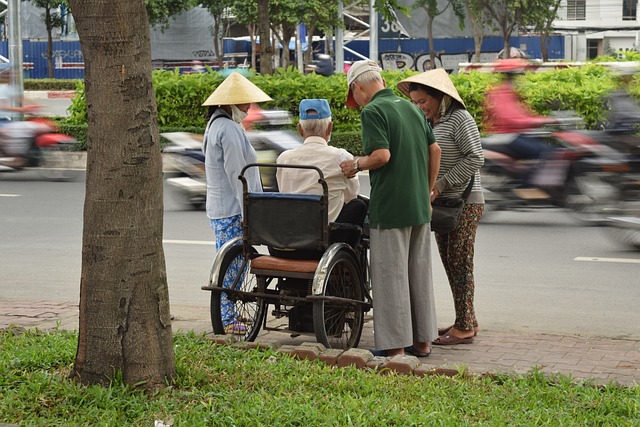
(356, 70)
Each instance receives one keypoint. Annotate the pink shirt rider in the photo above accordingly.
(506, 113)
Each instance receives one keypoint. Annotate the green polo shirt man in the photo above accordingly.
(402, 158)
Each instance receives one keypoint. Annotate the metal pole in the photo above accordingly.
(15, 51)
(299, 48)
(373, 31)
(339, 47)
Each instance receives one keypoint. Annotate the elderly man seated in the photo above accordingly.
(315, 127)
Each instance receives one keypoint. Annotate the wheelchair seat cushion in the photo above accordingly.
(268, 262)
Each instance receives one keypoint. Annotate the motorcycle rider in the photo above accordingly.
(506, 112)
(623, 118)
(15, 135)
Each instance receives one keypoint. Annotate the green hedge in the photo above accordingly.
(180, 96)
(51, 84)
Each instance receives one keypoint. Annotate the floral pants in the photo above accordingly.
(456, 252)
(227, 229)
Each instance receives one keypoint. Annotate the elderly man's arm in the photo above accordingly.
(377, 159)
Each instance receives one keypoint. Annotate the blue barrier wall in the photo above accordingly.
(67, 57)
(69, 62)
(454, 46)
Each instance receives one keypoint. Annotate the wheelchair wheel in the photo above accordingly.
(240, 315)
(339, 324)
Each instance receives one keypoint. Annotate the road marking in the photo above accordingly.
(619, 260)
(9, 195)
(189, 242)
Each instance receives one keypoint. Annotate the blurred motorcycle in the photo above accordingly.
(35, 143)
(623, 217)
(568, 168)
(185, 151)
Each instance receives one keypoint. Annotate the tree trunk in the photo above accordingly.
(432, 49)
(544, 46)
(125, 324)
(287, 34)
(47, 16)
(266, 49)
(217, 40)
(506, 35)
(478, 33)
(308, 54)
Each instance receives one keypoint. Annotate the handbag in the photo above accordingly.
(446, 212)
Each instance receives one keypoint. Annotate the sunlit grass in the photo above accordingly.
(224, 386)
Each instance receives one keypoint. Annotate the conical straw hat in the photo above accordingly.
(437, 79)
(234, 90)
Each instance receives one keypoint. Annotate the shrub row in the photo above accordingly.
(51, 84)
(179, 96)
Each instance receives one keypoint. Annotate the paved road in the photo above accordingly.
(530, 276)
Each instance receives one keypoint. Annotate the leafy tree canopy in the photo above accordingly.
(159, 11)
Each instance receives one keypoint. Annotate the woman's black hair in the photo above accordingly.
(212, 109)
(428, 89)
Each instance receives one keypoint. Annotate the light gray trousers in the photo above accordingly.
(402, 287)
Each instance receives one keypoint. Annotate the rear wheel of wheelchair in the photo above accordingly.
(240, 315)
(338, 324)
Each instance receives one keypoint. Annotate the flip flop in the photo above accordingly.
(451, 340)
(443, 331)
(415, 352)
(380, 353)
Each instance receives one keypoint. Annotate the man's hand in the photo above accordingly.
(434, 193)
(348, 168)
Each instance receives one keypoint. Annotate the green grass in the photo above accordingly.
(224, 386)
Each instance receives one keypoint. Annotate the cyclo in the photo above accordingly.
(327, 295)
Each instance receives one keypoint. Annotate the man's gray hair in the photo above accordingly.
(368, 77)
(315, 127)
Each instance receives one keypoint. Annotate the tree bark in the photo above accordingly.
(432, 49)
(125, 324)
(266, 48)
(47, 18)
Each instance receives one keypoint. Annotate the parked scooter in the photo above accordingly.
(35, 143)
(570, 170)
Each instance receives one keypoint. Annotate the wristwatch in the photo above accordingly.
(355, 165)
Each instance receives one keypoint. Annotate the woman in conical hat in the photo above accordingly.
(457, 134)
(227, 150)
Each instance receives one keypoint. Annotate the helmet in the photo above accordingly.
(511, 65)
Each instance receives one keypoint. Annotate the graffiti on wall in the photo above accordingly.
(401, 61)
(66, 58)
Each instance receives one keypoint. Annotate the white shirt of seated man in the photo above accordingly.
(315, 127)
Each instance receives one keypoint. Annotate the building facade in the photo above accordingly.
(597, 27)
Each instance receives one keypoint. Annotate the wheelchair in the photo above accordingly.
(326, 292)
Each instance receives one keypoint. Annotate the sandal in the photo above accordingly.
(451, 340)
(443, 331)
(235, 328)
(415, 352)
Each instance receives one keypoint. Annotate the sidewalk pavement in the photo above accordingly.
(601, 360)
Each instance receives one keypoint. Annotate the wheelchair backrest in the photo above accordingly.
(286, 220)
